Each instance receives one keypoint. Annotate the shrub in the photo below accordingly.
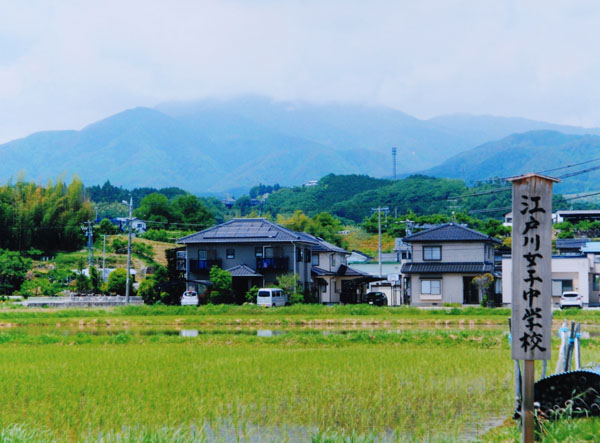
(222, 286)
(148, 291)
(119, 245)
(38, 287)
(117, 281)
(252, 294)
(290, 283)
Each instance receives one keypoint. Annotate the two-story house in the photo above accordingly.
(254, 250)
(445, 259)
(334, 281)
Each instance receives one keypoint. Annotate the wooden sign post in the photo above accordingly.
(531, 317)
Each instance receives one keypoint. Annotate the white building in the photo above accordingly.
(569, 273)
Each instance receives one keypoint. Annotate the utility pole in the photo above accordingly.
(128, 250)
(394, 150)
(379, 209)
(88, 231)
(379, 230)
(104, 258)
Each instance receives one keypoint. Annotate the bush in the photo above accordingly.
(119, 245)
(39, 287)
(222, 286)
(117, 281)
(290, 283)
(148, 291)
(252, 294)
(144, 250)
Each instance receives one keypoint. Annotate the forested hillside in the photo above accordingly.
(353, 197)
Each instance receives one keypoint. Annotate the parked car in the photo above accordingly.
(376, 298)
(189, 298)
(571, 300)
(271, 297)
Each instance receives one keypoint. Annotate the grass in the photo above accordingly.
(118, 375)
(359, 389)
(564, 430)
(297, 315)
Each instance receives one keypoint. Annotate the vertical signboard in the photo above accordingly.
(531, 267)
(531, 313)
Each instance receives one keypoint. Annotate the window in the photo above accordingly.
(307, 255)
(258, 251)
(332, 260)
(230, 253)
(596, 283)
(560, 286)
(433, 287)
(432, 252)
(202, 255)
(299, 254)
(315, 260)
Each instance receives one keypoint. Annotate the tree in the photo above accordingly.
(483, 282)
(189, 210)
(243, 205)
(290, 283)
(154, 207)
(221, 291)
(117, 281)
(105, 227)
(149, 291)
(13, 270)
(119, 245)
(95, 279)
(251, 294)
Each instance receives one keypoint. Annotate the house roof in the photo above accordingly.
(592, 246)
(247, 230)
(320, 272)
(571, 243)
(325, 246)
(243, 271)
(450, 232)
(342, 270)
(447, 268)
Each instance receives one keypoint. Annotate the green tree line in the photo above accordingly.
(47, 218)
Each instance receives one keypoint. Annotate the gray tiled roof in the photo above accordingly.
(320, 272)
(247, 230)
(343, 270)
(570, 243)
(243, 271)
(449, 232)
(351, 272)
(447, 268)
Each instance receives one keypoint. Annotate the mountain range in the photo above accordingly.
(533, 151)
(231, 145)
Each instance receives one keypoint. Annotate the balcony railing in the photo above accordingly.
(203, 265)
(272, 264)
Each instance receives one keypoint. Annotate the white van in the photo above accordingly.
(271, 297)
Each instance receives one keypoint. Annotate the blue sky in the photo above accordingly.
(65, 64)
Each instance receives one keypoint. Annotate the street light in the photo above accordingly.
(128, 248)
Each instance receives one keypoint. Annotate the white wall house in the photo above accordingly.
(445, 259)
(569, 273)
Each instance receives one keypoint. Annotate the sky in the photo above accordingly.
(66, 64)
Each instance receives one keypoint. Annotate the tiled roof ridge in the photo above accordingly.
(445, 225)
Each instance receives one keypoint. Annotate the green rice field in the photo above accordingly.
(188, 375)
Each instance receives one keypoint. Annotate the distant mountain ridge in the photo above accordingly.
(219, 145)
(534, 151)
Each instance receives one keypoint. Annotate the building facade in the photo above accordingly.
(445, 260)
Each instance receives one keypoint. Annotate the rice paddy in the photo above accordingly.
(74, 378)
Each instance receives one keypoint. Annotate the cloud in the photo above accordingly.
(65, 64)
